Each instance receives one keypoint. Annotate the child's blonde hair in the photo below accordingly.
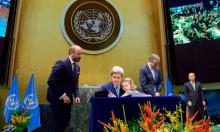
(131, 82)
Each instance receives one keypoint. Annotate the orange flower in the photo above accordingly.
(113, 116)
(155, 114)
(105, 125)
(198, 124)
(199, 129)
(207, 125)
(192, 118)
(147, 119)
(155, 127)
(148, 110)
(189, 120)
(187, 116)
(144, 126)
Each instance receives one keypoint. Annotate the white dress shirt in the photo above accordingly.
(152, 71)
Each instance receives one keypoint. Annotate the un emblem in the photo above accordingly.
(30, 101)
(95, 25)
(12, 102)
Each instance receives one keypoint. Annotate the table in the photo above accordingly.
(101, 107)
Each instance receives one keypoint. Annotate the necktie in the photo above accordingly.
(74, 69)
(117, 91)
(194, 85)
(152, 70)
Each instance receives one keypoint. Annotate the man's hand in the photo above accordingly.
(77, 100)
(110, 94)
(203, 102)
(157, 94)
(189, 103)
(66, 99)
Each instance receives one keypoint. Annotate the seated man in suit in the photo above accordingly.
(114, 87)
(150, 77)
(194, 96)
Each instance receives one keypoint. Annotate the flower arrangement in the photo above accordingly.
(19, 121)
(152, 120)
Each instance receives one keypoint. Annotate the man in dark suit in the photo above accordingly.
(194, 96)
(114, 87)
(150, 77)
(63, 84)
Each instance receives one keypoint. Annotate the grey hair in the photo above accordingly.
(154, 57)
(72, 49)
(117, 70)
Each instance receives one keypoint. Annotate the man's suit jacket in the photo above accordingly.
(195, 96)
(63, 79)
(110, 87)
(147, 82)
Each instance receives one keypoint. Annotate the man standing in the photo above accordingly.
(150, 77)
(194, 96)
(63, 84)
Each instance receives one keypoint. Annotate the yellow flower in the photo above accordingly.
(19, 120)
(122, 127)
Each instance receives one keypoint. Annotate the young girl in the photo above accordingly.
(129, 88)
(128, 84)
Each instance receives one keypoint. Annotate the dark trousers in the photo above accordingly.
(200, 114)
(61, 114)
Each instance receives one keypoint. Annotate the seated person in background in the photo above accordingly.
(194, 96)
(129, 88)
(114, 87)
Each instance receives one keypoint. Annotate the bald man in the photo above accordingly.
(63, 84)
